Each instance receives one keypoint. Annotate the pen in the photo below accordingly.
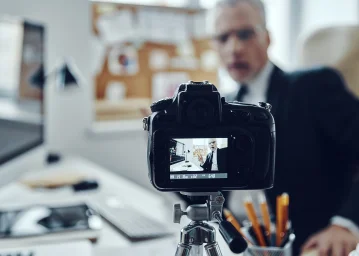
(230, 218)
(279, 219)
(253, 218)
(265, 213)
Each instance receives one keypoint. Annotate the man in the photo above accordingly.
(317, 127)
(215, 160)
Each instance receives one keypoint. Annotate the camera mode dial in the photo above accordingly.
(265, 105)
(161, 104)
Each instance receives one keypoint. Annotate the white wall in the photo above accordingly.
(317, 14)
(278, 16)
(68, 31)
(321, 13)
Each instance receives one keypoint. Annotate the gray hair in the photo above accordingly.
(210, 139)
(258, 4)
(255, 3)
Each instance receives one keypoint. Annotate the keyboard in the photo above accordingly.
(130, 222)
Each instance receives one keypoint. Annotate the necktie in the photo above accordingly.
(243, 91)
(211, 158)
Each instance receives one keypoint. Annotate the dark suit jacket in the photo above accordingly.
(317, 129)
(221, 161)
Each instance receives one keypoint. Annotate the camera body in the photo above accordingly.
(199, 142)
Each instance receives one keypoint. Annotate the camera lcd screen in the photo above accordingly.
(198, 158)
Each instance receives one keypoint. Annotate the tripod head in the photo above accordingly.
(210, 211)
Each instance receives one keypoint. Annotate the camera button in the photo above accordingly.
(145, 124)
(161, 104)
(261, 116)
(244, 115)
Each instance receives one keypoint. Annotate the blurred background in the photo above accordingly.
(129, 53)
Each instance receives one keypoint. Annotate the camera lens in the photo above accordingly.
(200, 112)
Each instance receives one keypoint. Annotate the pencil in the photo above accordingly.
(265, 213)
(285, 205)
(279, 219)
(230, 218)
(253, 218)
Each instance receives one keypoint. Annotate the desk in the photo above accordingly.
(183, 166)
(110, 241)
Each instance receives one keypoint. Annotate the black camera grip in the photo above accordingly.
(161, 104)
(233, 238)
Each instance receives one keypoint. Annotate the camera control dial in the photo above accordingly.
(177, 213)
(265, 105)
(161, 104)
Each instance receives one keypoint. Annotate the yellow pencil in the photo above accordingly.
(265, 213)
(279, 219)
(253, 218)
(285, 205)
(230, 218)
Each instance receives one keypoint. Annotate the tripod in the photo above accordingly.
(197, 233)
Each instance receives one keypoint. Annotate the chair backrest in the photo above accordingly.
(337, 47)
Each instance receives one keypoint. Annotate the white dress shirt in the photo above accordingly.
(214, 161)
(257, 92)
(257, 87)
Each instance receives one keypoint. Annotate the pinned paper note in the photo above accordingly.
(116, 27)
(159, 59)
(189, 63)
(115, 91)
(123, 60)
(209, 60)
(185, 48)
(200, 25)
(164, 84)
(156, 25)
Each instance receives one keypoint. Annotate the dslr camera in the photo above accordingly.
(199, 142)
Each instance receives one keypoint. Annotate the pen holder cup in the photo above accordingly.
(286, 250)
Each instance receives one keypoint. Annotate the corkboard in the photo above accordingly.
(139, 85)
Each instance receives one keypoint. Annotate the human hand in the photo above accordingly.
(200, 158)
(333, 240)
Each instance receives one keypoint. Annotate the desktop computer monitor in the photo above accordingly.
(21, 96)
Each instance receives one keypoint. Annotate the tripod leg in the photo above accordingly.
(213, 249)
(183, 250)
(197, 250)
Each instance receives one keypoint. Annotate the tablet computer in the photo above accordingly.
(41, 223)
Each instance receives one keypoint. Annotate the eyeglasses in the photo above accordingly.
(243, 35)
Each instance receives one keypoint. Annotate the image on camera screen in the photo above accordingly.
(198, 158)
